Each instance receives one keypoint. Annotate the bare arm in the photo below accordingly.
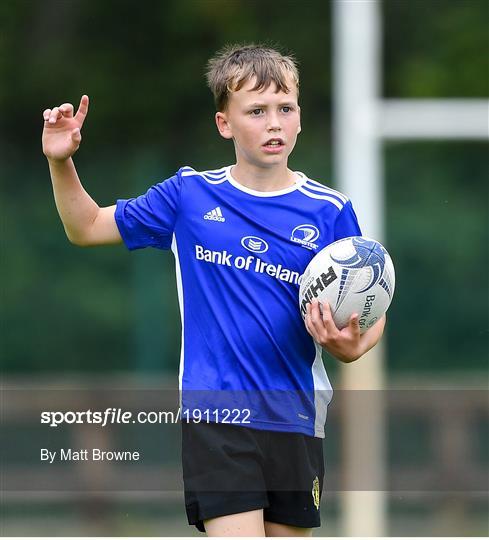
(85, 223)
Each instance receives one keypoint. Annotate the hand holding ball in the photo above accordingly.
(353, 275)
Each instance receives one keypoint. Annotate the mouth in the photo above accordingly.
(274, 143)
(274, 146)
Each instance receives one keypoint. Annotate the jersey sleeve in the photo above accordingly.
(149, 220)
(346, 223)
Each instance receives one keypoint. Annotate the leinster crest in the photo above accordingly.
(315, 492)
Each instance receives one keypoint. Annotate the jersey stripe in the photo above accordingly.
(215, 173)
(316, 186)
(211, 180)
(331, 193)
(323, 392)
(323, 197)
(174, 248)
(218, 176)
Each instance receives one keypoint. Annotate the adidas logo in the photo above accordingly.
(215, 215)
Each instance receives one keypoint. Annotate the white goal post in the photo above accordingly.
(362, 120)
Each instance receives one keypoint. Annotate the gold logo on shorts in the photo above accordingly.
(315, 492)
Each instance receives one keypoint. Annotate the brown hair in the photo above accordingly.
(234, 65)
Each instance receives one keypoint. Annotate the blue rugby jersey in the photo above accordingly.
(246, 357)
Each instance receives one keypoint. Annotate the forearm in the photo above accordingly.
(76, 208)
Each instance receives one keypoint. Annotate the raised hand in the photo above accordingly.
(61, 135)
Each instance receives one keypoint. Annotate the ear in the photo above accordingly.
(223, 126)
(299, 128)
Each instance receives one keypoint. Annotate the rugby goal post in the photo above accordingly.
(362, 121)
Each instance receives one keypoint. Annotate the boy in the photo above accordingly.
(253, 387)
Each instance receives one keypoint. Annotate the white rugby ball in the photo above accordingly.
(354, 275)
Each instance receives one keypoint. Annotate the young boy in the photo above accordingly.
(254, 391)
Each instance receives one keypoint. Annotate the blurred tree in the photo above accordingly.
(436, 48)
(437, 213)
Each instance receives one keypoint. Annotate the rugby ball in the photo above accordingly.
(354, 275)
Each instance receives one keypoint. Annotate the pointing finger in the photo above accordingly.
(82, 110)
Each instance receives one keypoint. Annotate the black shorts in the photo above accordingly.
(228, 469)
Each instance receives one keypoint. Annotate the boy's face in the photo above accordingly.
(263, 124)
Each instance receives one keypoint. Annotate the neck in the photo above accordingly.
(263, 179)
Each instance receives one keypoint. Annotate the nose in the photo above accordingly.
(273, 123)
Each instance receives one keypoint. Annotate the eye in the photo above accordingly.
(286, 109)
(256, 112)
